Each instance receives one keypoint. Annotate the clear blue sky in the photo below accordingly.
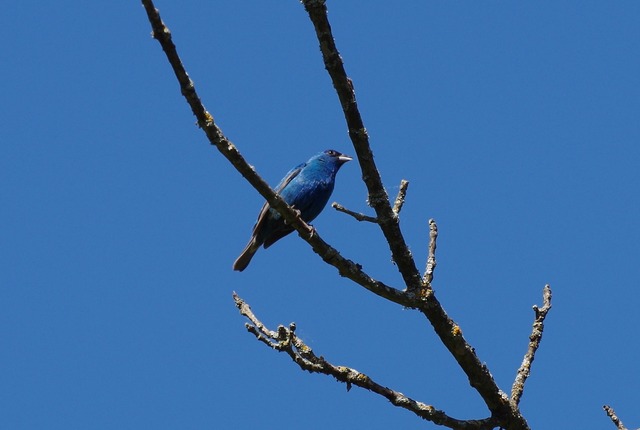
(517, 125)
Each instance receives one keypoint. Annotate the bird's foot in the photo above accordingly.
(298, 214)
(310, 229)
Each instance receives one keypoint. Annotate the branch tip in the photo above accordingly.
(427, 278)
(614, 418)
(534, 343)
(402, 194)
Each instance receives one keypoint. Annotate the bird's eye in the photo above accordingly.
(332, 152)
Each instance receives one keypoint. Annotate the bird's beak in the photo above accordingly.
(344, 158)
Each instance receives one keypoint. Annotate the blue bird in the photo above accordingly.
(306, 188)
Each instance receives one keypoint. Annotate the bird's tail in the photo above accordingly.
(243, 261)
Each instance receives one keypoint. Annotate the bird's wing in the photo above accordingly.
(289, 177)
(262, 216)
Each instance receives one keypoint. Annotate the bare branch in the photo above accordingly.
(285, 340)
(534, 342)
(330, 255)
(378, 198)
(402, 193)
(356, 215)
(431, 259)
(612, 414)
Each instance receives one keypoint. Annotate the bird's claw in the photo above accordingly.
(311, 229)
(298, 214)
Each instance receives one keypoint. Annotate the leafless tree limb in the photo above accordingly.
(614, 418)
(534, 342)
(285, 340)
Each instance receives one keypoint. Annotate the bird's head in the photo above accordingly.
(336, 157)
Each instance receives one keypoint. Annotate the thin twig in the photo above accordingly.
(402, 193)
(612, 414)
(534, 342)
(330, 255)
(285, 340)
(356, 215)
(431, 259)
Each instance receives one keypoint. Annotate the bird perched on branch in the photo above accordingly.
(306, 188)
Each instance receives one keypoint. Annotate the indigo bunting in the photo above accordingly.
(306, 188)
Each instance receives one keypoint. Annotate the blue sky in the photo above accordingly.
(517, 125)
